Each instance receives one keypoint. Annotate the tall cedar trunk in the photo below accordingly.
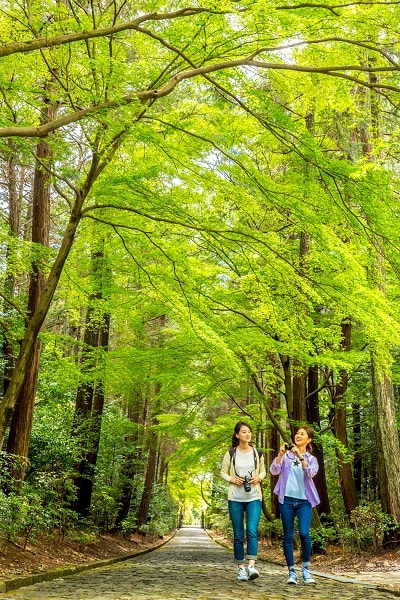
(299, 373)
(90, 396)
(313, 417)
(386, 431)
(299, 397)
(21, 420)
(288, 384)
(387, 440)
(358, 453)
(129, 467)
(272, 441)
(347, 483)
(14, 217)
(36, 321)
(155, 330)
(144, 507)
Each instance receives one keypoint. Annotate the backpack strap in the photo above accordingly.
(232, 454)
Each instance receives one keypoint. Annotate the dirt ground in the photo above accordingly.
(50, 552)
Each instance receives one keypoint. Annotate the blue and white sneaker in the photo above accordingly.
(307, 576)
(242, 574)
(292, 579)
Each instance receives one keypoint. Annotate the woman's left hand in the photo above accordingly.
(255, 479)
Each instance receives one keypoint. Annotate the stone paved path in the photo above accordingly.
(190, 566)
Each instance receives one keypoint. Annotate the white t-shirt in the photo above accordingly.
(244, 465)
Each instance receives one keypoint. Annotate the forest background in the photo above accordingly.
(200, 224)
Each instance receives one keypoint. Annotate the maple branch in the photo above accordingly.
(333, 7)
(68, 38)
(154, 94)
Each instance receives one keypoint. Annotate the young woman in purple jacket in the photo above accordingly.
(297, 495)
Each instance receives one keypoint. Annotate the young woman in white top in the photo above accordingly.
(243, 468)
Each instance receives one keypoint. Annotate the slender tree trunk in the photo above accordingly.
(90, 396)
(358, 454)
(143, 512)
(129, 468)
(313, 417)
(272, 441)
(299, 372)
(347, 484)
(14, 212)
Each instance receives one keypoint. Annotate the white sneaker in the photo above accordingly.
(252, 573)
(307, 578)
(292, 579)
(242, 575)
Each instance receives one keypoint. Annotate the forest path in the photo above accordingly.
(190, 566)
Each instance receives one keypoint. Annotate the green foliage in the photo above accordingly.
(202, 229)
(163, 513)
(129, 525)
(370, 525)
(322, 537)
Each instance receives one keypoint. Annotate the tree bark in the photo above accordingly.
(21, 421)
(313, 417)
(90, 395)
(129, 468)
(347, 483)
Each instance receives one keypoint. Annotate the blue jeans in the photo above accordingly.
(253, 513)
(291, 508)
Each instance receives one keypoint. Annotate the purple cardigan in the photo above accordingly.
(283, 469)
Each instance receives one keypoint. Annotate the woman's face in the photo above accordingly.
(301, 438)
(244, 434)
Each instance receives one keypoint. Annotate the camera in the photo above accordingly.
(246, 484)
(288, 447)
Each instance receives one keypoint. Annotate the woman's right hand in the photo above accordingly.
(282, 451)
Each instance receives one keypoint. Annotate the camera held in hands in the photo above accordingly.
(246, 484)
(288, 447)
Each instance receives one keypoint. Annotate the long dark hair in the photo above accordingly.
(238, 426)
(310, 433)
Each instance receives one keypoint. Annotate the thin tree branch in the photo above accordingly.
(68, 38)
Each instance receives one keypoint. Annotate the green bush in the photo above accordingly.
(370, 525)
(321, 537)
(128, 525)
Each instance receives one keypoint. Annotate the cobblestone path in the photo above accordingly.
(190, 566)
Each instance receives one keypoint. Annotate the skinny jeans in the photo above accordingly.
(291, 508)
(237, 511)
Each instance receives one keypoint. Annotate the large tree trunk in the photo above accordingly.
(37, 319)
(21, 421)
(386, 429)
(14, 218)
(387, 453)
(129, 468)
(143, 512)
(90, 395)
(347, 483)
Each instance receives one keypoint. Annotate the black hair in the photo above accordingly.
(238, 426)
